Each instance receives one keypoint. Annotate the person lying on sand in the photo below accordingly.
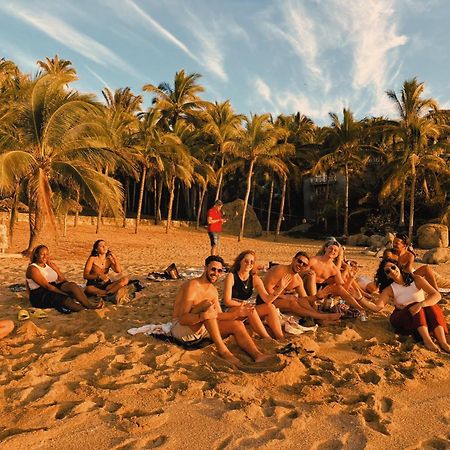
(416, 310)
(48, 288)
(197, 314)
(293, 298)
(6, 327)
(96, 271)
(239, 285)
(328, 275)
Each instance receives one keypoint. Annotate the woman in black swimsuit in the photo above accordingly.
(238, 289)
(97, 268)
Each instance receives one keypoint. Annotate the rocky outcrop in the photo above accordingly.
(437, 255)
(358, 240)
(233, 213)
(432, 235)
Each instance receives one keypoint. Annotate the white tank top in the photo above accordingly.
(405, 295)
(47, 272)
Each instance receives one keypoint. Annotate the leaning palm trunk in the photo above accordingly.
(401, 222)
(283, 196)
(200, 205)
(269, 212)
(141, 196)
(13, 213)
(36, 222)
(158, 208)
(219, 182)
(247, 195)
(411, 204)
(171, 196)
(347, 182)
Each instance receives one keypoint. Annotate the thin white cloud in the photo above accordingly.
(159, 28)
(302, 33)
(68, 36)
(99, 78)
(373, 31)
(263, 89)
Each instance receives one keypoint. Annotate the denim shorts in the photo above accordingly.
(214, 238)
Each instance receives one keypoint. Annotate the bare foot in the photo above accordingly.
(430, 345)
(445, 347)
(261, 357)
(228, 356)
(99, 305)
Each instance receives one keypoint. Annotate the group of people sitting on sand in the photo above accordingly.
(48, 287)
(302, 287)
(306, 287)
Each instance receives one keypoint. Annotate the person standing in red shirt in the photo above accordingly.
(215, 221)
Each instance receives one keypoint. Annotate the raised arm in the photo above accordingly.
(262, 292)
(115, 263)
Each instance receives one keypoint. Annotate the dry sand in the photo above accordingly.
(81, 380)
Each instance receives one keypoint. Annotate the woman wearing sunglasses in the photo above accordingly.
(416, 310)
(239, 285)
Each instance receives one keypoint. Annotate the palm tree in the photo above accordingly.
(180, 101)
(344, 142)
(416, 128)
(56, 66)
(54, 145)
(224, 126)
(258, 146)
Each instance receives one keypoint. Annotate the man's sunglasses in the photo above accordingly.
(302, 263)
(390, 269)
(215, 269)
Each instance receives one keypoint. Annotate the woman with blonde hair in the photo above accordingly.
(240, 283)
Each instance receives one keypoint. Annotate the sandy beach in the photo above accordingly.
(81, 380)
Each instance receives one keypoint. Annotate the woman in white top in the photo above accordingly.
(415, 300)
(48, 287)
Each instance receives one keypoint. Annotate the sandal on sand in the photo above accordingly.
(38, 313)
(23, 315)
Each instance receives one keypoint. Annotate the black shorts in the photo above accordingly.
(99, 284)
(43, 298)
(213, 238)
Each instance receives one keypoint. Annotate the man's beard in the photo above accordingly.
(209, 278)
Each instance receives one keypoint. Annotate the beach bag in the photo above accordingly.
(171, 273)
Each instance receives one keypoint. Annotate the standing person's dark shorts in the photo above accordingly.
(215, 221)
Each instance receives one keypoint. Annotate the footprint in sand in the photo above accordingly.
(332, 444)
(436, 443)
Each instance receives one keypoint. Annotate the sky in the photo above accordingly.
(279, 56)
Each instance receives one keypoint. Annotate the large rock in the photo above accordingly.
(299, 229)
(432, 235)
(233, 213)
(437, 255)
(377, 241)
(358, 240)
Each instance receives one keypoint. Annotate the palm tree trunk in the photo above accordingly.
(269, 211)
(201, 199)
(141, 196)
(126, 201)
(36, 223)
(77, 212)
(177, 199)
(347, 182)
(283, 196)
(65, 224)
(169, 210)
(158, 207)
(219, 183)
(13, 213)
(411, 204)
(401, 222)
(247, 195)
(155, 197)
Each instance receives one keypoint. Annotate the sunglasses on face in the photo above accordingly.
(390, 269)
(302, 263)
(215, 269)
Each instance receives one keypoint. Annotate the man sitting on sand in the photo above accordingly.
(328, 275)
(294, 298)
(197, 314)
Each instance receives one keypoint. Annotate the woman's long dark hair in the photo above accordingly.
(94, 251)
(237, 262)
(383, 281)
(36, 250)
